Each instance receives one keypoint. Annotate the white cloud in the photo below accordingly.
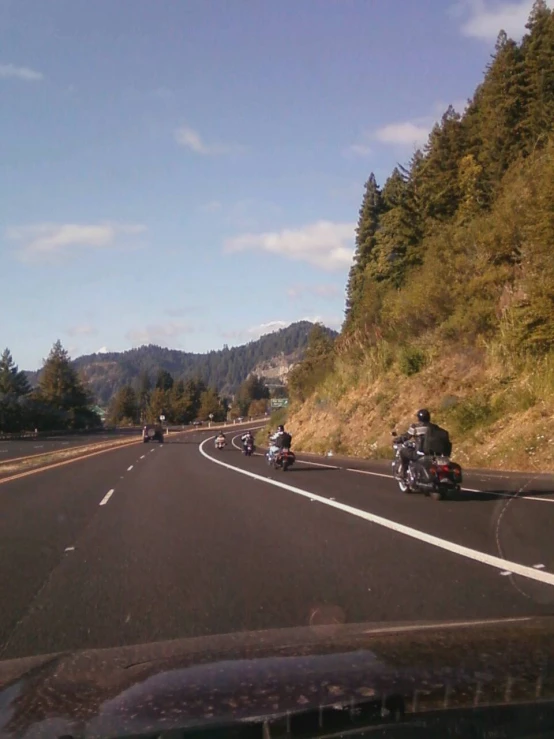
(323, 244)
(10, 71)
(83, 329)
(320, 291)
(191, 139)
(484, 20)
(159, 333)
(102, 350)
(405, 133)
(48, 241)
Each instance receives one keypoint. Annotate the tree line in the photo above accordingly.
(60, 400)
(183, 401)
(454, 252)
(457, 243)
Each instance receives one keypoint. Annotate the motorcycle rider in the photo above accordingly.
(220, 438)
(247, 438)
(279, 440)
(415, 433)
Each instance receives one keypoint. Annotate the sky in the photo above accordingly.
(189, 173)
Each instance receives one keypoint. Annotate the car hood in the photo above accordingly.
(192, 682)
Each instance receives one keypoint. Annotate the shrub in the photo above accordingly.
(411, 360)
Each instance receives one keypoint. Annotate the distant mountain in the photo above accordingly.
(225, 369)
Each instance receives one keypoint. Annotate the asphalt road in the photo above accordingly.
(16, 448)
(148, 543)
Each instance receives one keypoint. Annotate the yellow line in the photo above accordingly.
(47, 467)
(67, 461)
(7, 462)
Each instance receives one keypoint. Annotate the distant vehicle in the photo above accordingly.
(153, 432)
(197, 423)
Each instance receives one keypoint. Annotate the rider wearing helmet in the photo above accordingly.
(415, 433)
(279, 440)
(247, 437)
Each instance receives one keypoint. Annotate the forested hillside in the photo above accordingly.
(223, 370)
(450, 299)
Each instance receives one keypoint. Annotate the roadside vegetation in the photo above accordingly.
(450, 299)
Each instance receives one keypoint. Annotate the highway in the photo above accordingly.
(148, 543)
(17, 448)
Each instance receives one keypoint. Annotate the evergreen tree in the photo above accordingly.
(366, 230)
(537, 53)
(14, 388)
(164, 381)
(144, 388)
(12, 380)
(210, 404)
(124, 408)
(62, 391)
(158, 405)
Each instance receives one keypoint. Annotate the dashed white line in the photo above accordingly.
(129, 468)
(69, 549)
(504, 565)
(319, 464)
(143, 456)
(106, 498)
(39, 446)
(365, 472)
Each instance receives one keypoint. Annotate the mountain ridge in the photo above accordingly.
(224, 369)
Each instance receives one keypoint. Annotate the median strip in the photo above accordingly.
(16, 468)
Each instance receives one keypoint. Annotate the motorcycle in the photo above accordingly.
(220, 444)
(283, 459)
(434, 476)
(248, 448)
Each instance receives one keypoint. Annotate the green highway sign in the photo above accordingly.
(279, 402)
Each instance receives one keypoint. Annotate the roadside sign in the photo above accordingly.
(162, 418)
(279, 402)
(211, 416)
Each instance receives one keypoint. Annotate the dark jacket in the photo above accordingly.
(417, 432)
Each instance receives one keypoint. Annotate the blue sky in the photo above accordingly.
(189, 173)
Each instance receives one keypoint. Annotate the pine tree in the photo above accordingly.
(366, 230)
(164, 381)
(124, 407)
(210, 404)
(14, 390)
(12, 380)
(144, 388)
(61, 390)
(537, 51)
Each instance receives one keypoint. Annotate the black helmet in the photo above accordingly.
(280, 428)
(423, 415)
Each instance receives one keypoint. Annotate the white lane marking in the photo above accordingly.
(365, 472)
(39, 446)
(539, 567)
(502, 564)
(464, 490)
(143, 456)
(298, 461)
(152, 450)
(3, 451)
(448, 625)
(319, 464)
(129, 468)
(69, 549)
(106, 498)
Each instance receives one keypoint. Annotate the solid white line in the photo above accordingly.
(365, 472)
(464, 490)
(319, 464)
(447, 625)
(129, 468)
(487, 559)
(106, 498)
